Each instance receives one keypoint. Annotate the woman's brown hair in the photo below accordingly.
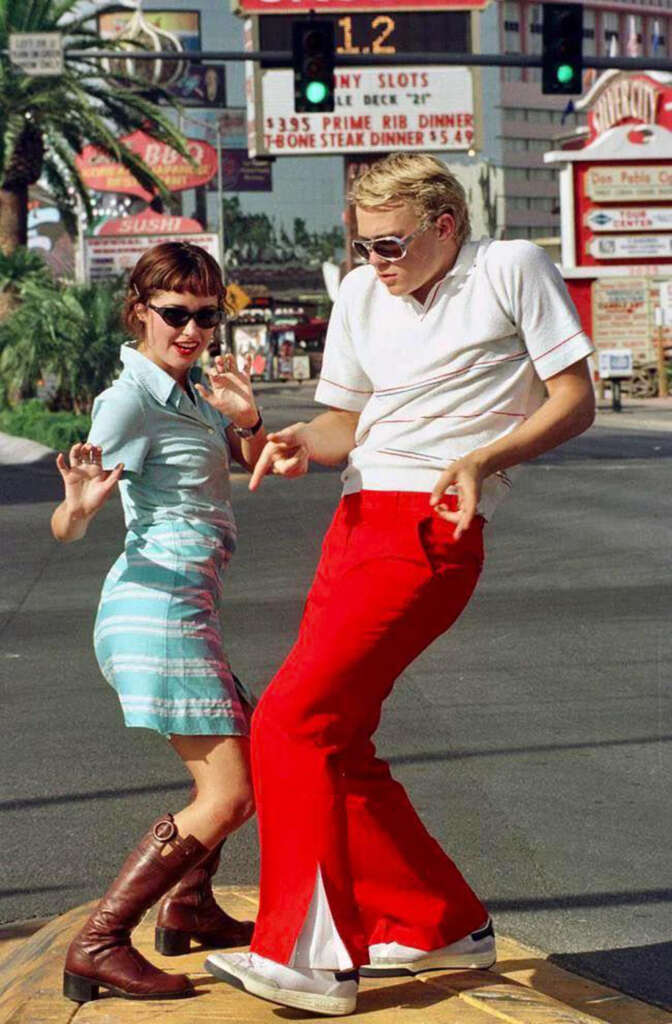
(171, 267)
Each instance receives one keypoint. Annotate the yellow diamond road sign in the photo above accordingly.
(237, 297)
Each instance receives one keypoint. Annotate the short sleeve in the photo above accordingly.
(119, 427)
(343, 383)
(542, 310)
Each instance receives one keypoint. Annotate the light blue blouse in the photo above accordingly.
(175, 452)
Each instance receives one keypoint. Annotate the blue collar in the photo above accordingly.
(159, 383)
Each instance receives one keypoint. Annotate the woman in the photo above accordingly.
(167, 440)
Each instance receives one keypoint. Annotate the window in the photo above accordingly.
(534, 29)
(655, 37)
(589, 32)
(611, 29)
(512, 39)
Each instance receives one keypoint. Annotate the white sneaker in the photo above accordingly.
(391, 960)
(325, 992)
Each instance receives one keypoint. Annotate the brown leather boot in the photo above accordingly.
(189, 911)
(102, 954)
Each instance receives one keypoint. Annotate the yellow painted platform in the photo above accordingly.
(524, 988)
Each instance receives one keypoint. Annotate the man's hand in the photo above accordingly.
(87, 484)
(466, 475)
(285, 454)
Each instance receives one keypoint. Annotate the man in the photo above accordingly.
(433, 371)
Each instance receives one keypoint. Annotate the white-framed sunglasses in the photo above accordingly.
(389, 247)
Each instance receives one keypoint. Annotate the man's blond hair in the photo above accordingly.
(422, 181)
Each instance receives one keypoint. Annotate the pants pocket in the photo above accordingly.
(442, 550)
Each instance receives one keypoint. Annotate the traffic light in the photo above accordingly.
(562, 48)
(313, 45)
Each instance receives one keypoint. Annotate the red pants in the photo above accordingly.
(390, 580)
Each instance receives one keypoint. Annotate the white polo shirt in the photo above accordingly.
(434, 381)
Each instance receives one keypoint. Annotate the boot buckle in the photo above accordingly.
(165, 829)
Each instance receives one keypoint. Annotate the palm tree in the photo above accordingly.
(71, 331)
(16, 270)
(45, 121)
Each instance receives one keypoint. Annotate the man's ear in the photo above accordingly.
(140, 310)
(445, 224)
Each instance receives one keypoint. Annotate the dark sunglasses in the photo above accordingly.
(179, 316)
(389, 247)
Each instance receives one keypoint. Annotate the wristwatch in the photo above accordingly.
(247, 432)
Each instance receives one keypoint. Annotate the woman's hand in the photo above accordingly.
(466, 475)
(231, 392)
(285, 454)
(87, 484)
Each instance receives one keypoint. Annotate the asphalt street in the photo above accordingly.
(534, 738)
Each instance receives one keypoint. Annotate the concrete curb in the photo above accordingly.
(15, 451)
(523, 988)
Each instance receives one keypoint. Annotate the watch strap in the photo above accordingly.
(247, 432)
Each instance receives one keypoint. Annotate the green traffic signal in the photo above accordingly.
(564, 74)
(561, 48)
(313, 55)
(316, 92)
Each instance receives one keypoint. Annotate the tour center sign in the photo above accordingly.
(376, 109)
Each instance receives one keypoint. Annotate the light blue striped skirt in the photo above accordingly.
(157, 633)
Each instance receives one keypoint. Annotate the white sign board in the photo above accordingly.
(615, 363)
(232, 125)
(610, 183)
(665, 298)
(376, 110)
(37, 53)
(111, 255)
(618, 247)
(630, 218)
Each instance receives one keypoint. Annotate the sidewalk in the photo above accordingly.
(524, 988)
(638, 414)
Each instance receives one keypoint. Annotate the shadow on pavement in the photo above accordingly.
(459, 755)
(640, 971)
(583, 899)
(30, 483)
(36, 888)
(99, 794)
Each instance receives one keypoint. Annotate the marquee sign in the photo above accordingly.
(100, 172)
(149, 223)
(110, 256)
(630, 98)
(409, 108)
(244, 7)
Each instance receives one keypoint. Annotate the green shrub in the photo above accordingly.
(58, 430)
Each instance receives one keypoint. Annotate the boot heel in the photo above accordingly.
(80, 990)
(171, 942)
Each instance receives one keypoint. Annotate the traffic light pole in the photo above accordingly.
(283, 58)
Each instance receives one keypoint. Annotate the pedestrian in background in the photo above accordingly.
(437, 353)
(167, 441)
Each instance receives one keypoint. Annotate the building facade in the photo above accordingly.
(529, 120)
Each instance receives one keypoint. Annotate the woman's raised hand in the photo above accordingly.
(231, 392)
(87, 484)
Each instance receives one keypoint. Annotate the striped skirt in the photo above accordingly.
(157, 633)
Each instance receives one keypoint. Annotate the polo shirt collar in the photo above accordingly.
(465, 261)
(159, 383)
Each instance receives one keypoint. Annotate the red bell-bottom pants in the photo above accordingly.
(391, 579)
